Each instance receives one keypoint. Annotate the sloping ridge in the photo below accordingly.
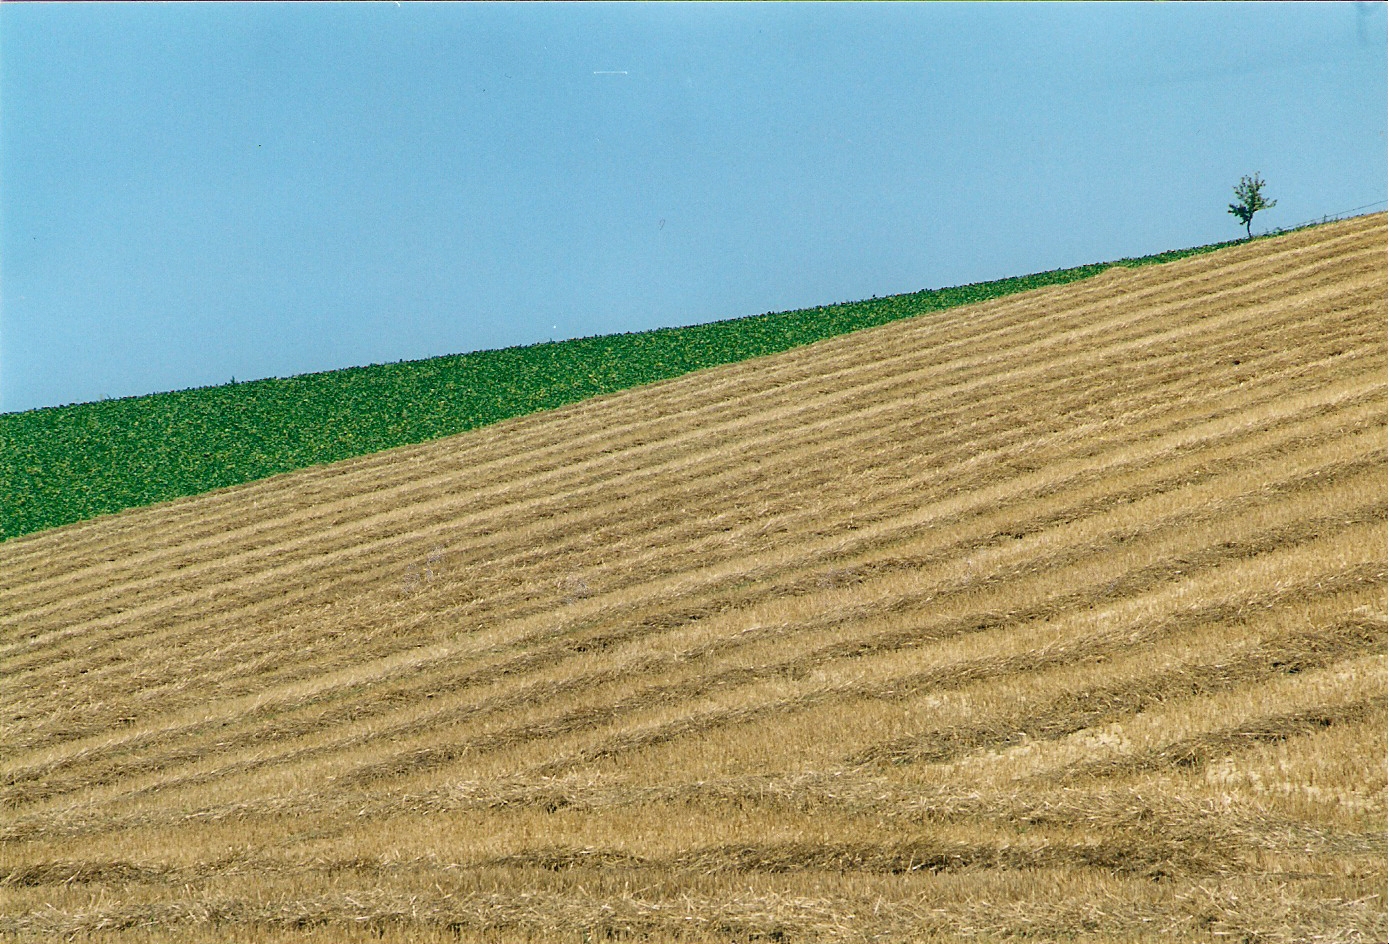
(1058, 614)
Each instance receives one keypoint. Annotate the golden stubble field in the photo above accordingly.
(1059, 616)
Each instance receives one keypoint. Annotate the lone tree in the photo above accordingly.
(1250, 195)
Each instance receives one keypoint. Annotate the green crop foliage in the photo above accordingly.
(64, 464)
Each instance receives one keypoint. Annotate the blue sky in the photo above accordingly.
(191, 193)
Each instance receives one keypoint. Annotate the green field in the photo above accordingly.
(64, 464)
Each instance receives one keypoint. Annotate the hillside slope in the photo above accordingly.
(1062, 614)
(61, 465)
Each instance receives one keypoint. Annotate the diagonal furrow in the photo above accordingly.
(895, 379)
(808, 581)
(972, 338)
(1107, 703)
(543, 655)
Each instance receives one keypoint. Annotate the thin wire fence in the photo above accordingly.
(1328, 218)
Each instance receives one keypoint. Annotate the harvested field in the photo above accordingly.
(1056, 616)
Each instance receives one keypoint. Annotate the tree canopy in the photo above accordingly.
(1249, 193)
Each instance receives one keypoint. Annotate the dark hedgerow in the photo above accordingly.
(64, 464)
